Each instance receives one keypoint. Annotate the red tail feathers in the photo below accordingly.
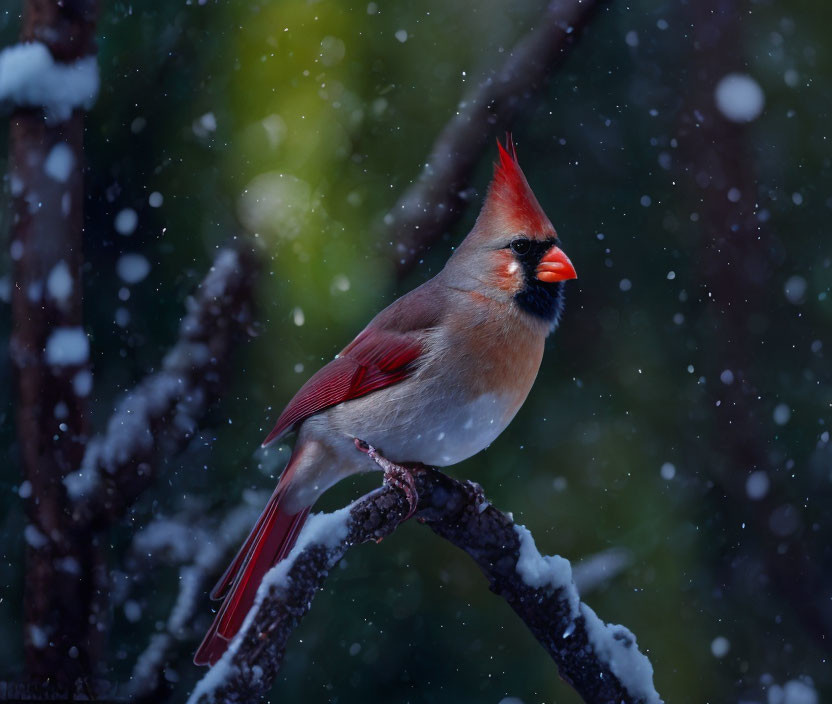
(271, 539)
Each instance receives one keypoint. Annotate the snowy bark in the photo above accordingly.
(438, 198)
(602, 662)
(50, 353)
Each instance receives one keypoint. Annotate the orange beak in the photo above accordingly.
(555, 266)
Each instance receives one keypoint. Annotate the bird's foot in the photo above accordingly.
(395, 475)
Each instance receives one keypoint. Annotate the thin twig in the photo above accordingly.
(161, 415)
(602, 662)
(430, 206)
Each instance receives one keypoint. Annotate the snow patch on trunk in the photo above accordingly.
(30, 77)
(60, 162)
(66, 346)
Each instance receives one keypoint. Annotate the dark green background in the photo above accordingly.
(615, 399)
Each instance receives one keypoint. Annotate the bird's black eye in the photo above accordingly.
(521, 245)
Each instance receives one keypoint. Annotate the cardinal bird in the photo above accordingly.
(433, 379)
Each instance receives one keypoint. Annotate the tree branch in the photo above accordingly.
(434, 202)
(200, 552)
(162, 413)
(602, 662)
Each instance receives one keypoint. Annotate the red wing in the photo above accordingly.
(375, 359)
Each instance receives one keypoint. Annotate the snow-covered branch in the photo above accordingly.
(438, 197)
(200, 553)
(161, 415)
(601, 661)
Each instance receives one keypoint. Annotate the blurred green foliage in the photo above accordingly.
(302, 122)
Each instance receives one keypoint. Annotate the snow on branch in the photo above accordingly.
(200, 552)
(601, 661)
(30, 77)
(160, 415)
(430, 206)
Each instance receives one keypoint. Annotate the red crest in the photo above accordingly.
(510, 199)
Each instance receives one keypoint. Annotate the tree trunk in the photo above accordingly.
(738, 257)
(50, 354)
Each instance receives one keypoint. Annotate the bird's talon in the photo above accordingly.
(395, 475)
(400, 478)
